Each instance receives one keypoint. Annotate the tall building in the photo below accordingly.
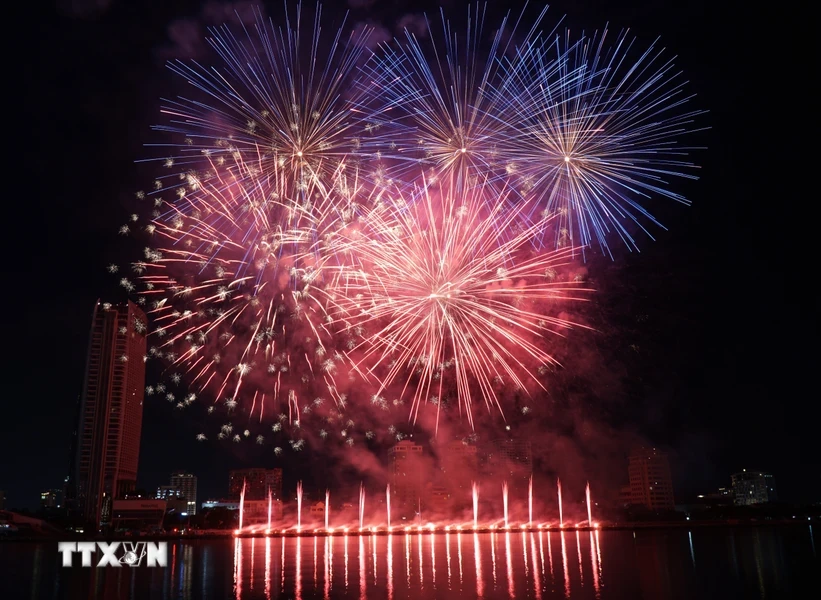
(186, 484)
(257, 482)
(405, 471)
(111, 411)
(753, 487)
(50, 499)
(511, 461)
(458, 469)
(651, 484)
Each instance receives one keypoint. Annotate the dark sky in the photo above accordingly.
(726, 383)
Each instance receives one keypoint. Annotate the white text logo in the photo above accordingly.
(116, 554)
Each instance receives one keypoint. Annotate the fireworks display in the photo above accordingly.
(596, 134)
(435, 102)
(449, 294)
(338, 227)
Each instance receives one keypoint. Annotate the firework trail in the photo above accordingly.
(450, 295)
(597, 133)
(431, 101)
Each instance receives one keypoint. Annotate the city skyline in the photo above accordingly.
(503, 460)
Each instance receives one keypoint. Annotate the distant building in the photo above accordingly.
(458, 469)
(258, 483)
(318, 508)
(255, 512)
(186, 483)
(229, 504)
(405, 472)
(438, 498)
(511, 461)
(625, 495)
(111, 411)
(651, 483)
(722, 497)
(178, 505)
(165, 492)
(753, 487)
(50, 499)
(137, 514)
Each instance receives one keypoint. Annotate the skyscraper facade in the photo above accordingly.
(258, 483)
(186, 484)
(753, 487)
(651, 483)
(511, 461)
(405, 466)
(50, 499)
(458, 469)
(111, 411)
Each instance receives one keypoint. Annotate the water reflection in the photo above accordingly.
(537, 580)
(459, 545)
(390, 567)
(756, 563)
(692, 551)
(268, 543)
(579, 554)
(362, 569)
(509, 558)
(298, 576)
(594, 563)
(565, 569)
(447, 550)
(477, 560)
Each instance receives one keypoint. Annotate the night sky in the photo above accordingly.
(728, 331)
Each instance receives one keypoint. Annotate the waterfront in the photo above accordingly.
(749, 562)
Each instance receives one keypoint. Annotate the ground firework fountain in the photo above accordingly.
(475, 505)
(589, 506)
(270, 506)
(241, 505)
(504, 498)
(327, 507)
(361, 505)
(299, 505)
(559, 487)
(530, 502)
(388, 503)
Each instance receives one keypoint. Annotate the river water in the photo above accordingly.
(726, 563)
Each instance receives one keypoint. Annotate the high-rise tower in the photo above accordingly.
(111, 410)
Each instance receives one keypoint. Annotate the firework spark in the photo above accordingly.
(432, 101)
(280, 98)
(447, 289)
(230, 284)
(597, 133)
